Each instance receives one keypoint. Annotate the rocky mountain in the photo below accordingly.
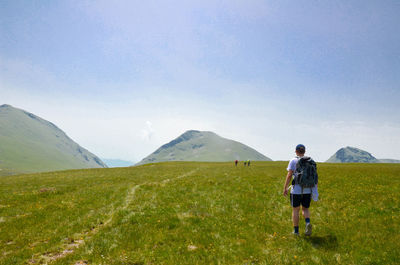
(352, 155)
(29, 143)
(203, 146)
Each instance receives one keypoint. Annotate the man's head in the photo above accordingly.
(300, 149)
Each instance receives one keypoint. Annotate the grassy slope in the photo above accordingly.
(31, 144)
(191, 213)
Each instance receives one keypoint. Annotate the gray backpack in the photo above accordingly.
(306, 174)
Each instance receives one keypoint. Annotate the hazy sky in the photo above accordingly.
(122, 78)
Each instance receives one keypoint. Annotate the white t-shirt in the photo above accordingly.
(296, 188)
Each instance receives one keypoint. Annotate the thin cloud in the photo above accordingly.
(148, 132)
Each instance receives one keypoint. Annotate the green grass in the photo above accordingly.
(198, 213)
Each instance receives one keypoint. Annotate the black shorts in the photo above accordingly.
(303, 199)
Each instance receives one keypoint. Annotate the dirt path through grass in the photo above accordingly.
(70, 246)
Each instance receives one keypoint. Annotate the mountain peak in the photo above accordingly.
(186, 136)
(190, 133)
(196, 145)
(354, 149)
(6, 106)
(351, 154)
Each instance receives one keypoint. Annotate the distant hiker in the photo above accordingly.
(236, 162)
(302, 171)
(248, 162)
(245, 163)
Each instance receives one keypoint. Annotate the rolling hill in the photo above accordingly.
(203, 146)
(29, 143)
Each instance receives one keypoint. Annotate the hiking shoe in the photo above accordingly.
(308, 229)
(295, 234)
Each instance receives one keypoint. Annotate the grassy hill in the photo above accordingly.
(198, 213)
(29, 143)
(203, 146)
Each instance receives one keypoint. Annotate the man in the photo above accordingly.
(298, 195)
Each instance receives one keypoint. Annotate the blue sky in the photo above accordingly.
(123, 78)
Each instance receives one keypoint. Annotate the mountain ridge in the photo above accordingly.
(29, 143)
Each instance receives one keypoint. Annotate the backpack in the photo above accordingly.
(306, 174)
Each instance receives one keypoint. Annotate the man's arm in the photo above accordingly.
(288, 179)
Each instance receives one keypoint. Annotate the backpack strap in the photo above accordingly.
(295, 170)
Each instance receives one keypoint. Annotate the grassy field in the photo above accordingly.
(198, 213)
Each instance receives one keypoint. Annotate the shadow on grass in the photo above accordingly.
(325, 242)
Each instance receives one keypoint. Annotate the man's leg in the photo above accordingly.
(305, 204)
(306, 212)
(295, 202)
(295, 216)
